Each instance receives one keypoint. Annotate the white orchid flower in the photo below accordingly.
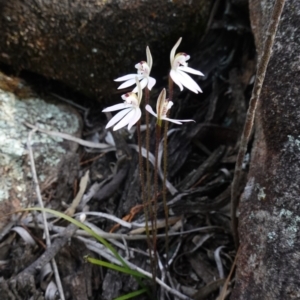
(162, 107)
(143, 74)
(178, 68)
(130, 110)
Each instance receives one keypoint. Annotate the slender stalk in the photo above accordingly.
(147, 141)
(248, 126)
(148, 196)
(145, 203)
(171, 87)
(165, 159)
(165, 187)
(154, 229)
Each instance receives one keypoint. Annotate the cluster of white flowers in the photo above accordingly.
(130, 110)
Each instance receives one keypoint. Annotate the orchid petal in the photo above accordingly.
(150, 110)
(138, 66)
(177, 121)
(125, 77)
(180, 59)
(190, 70)
(125, 120)
(170, 104)
(117, 107)
(135, 118)
(143, 82)
(118, 117)
(140, 91)
(149, 58)
(176, 78)
(151, 83)
(172, 120)
(188, 82)
(135, 90)
(127, 83)
(172, 54)
(160, 103)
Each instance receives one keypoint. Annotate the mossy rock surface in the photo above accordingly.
(86, 44)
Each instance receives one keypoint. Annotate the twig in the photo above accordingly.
(109, 217)
(225, 286)
(260, 76)
(57, 279)
(159, 224)
(219, 261)
(37, 186)
(47, 256)
(99, 231)
(65, 136)
(163, 276)
(39, 196)
(82, 187)
(120, 236)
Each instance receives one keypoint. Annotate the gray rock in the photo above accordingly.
(86, 44)
(16, 186)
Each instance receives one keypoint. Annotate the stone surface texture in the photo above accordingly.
(86, 44)
(269, 256)
(16, 186)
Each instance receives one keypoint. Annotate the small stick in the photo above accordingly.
(39, 196)
(82, 187)
(120, 236)
(37, 186)
(49, 254)
(104, 147)
(225, 286)
(260, 76)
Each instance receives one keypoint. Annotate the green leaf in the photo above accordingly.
(114, 267)
(132, 295)
(88, 230)
(82, 226)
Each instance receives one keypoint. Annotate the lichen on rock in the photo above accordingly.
(16, 186)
